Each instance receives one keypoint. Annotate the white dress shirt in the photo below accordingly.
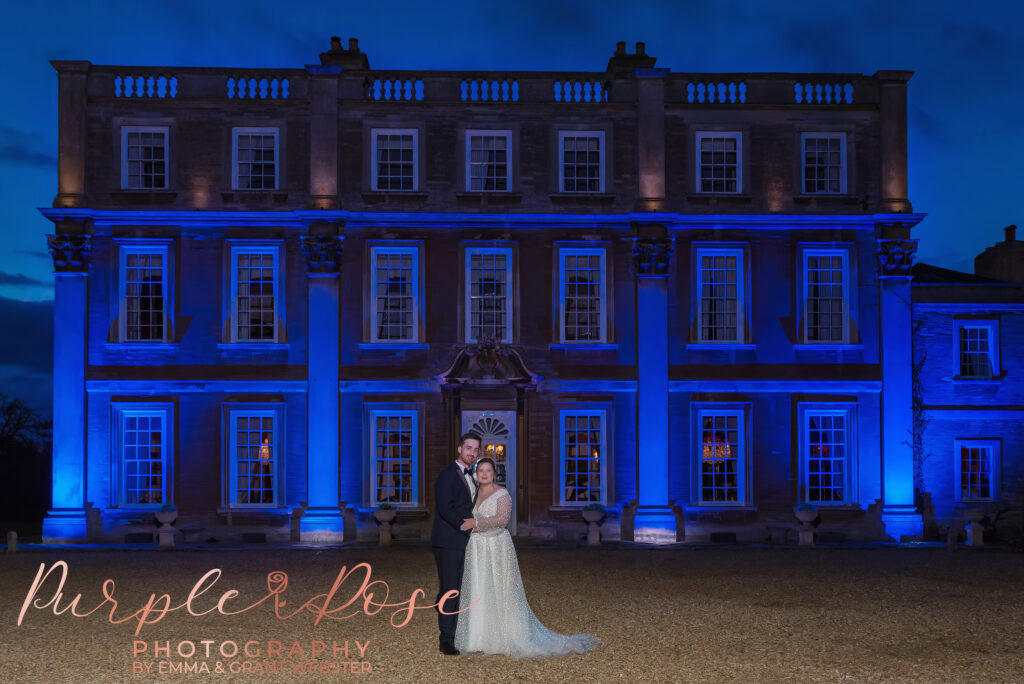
(467, 478)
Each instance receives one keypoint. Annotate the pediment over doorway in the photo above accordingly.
(488, 362)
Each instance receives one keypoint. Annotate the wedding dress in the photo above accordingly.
(501, 622)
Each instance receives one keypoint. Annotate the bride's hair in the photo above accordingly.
(485, 459)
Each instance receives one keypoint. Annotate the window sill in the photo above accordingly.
(591, 197)
(830, 197)
(828, 347)
(487, 197)
(715, 346)
(400, 196)
(269, 509)
(709, 508)
(964, 380)
(416, 509)
(143, 196)
(719, 197)
(573, 507)
(143, 346)
(392, 346)
(838, 507)
(600, 346)
(252, 346)
(255, 196)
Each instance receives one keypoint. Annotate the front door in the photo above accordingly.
(497, 430)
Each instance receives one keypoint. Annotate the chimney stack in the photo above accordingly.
(620, 48)
(1011, 233)
(640, 49)
(353, 44)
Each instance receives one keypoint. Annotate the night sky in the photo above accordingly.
(966, 98)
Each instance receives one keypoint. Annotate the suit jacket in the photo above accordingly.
(452, 505)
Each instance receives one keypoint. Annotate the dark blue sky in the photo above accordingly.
(966, 99)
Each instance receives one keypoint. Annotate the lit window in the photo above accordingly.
(977, 469)
(255, 452)
(720, 274)
(719, 162)
(721, 456)
(255, 163)
(395, 158)
(978, 349)
(489, 293)
(255, 294)
(144, 157)
(394, 457)
(395, 294)
(583, 444)
(581, 161)
(583, 294)
(826, 454)
(825, 296)
(488, 161)
(144, 293)
(143, 453)
(824, 163)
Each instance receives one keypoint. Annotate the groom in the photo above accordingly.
(454, 491)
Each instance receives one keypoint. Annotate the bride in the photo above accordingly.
(501, 621)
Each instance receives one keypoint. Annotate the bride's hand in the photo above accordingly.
(468, 524)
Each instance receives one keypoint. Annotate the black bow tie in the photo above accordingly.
(467, 471)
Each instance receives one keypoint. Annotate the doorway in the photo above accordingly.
(497, 430)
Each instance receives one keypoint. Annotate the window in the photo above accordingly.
(255, 449)
(255, 162)
(824, 163)
(581, 161)
(144, 157)
(978, 349)
(977, 469)
(143, 314)
(394, 459)
(583, 295)
(826, 449)
(395, 159)
(395, 289)
(488, 293)
(583, 445)
(722, 456)
(488, 161)
(825, 296)
(720, 307)
(255, 294)
(143, 453)
(719, 162)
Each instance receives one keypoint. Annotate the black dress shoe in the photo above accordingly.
(448, 648)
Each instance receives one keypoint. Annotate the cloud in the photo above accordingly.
(26, 338)
(22, 279)
(28, 149)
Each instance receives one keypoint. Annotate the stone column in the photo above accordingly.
(895, 256)
(323, 136)
(322, 519)
(71, 252)
(72, 79)
(654, 521)
(651, 138)
(893, 111)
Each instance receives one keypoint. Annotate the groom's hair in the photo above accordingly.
(469, 435)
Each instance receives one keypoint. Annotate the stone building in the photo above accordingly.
(282, 294)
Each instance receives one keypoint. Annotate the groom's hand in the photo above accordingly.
(468, 524)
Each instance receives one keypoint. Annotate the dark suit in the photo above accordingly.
(452, 504)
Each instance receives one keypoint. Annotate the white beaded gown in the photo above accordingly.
(501, 622)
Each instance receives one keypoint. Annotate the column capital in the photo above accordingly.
(895, 257)
(651, 256)
(71, 253)
(322, 254)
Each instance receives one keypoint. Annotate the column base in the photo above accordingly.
(902, 523)
(65, 526)
(654, 525)
(322, 525)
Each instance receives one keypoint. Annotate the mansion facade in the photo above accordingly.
(282, 294)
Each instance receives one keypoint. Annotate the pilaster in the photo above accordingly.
(654, 521)
(71, 252)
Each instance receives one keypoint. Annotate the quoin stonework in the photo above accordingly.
(282, 294)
